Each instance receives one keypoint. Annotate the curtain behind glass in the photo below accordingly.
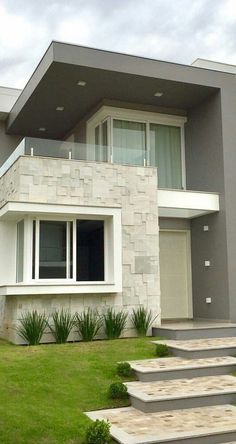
(129, 142)
(165, 153)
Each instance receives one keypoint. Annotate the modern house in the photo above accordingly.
(118, 188)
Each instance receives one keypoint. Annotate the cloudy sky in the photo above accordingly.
(174, 30)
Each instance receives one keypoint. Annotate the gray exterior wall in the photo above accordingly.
(7, 143)
(228, 105)
(205, 171)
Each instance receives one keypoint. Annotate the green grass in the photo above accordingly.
(45, 389)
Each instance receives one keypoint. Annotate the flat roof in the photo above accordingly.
(108, 75)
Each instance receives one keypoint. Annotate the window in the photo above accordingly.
(129, 142)
(20, 251)
(101, 142)
(135, 137)
(68, 250)
(90, 250)
(165, 153)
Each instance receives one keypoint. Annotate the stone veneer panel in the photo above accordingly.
(133, 189)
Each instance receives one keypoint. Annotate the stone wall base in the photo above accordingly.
(15, 306)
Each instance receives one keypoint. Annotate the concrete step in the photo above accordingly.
(160, 369)
(185, 393)
(195, 330)
(201, 348)
(205, 425)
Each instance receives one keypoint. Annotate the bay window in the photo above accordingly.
(141, 138)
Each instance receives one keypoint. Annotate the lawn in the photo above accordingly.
(45, 389)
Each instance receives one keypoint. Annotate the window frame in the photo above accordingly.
(69, 280)
(110, 113)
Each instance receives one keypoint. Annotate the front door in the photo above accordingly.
(175, 274)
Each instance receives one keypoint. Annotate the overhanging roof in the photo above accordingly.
(108, 75)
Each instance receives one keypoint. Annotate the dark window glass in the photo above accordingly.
(33, 250)
(90, 250)
(52, 250)
(20, 251)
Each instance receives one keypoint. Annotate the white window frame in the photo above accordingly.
(74, 249)
(110, 113)
(37, 240)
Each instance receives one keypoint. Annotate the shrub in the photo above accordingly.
(118, 390)
(63, 323)
(98, 433)
(124, 369)
(142, 320)
(32, 326)
(114, 323)
(162, 350)
(88, 324)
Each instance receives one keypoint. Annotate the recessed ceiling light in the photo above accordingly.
(158, 94)
(81, 83)
(42, 128)
(60, 108)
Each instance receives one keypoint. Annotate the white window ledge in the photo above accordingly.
(38, 289)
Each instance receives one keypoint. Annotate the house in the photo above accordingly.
(117, 188)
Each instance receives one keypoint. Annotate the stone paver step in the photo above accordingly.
(205, 425)
(174, 368)
(201, 348)
(182, 393)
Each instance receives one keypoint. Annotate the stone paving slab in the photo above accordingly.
(175, 363)
(182, 388)
(200, 344)
(131, 426)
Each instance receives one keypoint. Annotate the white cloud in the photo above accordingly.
(179, 30)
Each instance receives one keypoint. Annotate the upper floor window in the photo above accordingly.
(155, 141)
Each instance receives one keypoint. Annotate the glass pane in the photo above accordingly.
(90, 250)
(129, 142)
(20, 251)
(33, 250)
(165, 153)
(52, 250)
(101, 142)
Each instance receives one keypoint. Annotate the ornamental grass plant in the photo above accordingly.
(142, 319)
(63, 322)
(88, 324)
(32, 326)
(114, 323)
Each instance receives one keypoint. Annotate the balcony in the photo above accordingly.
(172, 203)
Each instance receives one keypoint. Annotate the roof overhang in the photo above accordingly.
(108, 75)
(186, 204)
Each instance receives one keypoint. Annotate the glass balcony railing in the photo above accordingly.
(74, 151)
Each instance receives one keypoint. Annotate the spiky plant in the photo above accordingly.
(88, 324)
(32, 326)
(63, 322)
(142, 319)
(115, 323)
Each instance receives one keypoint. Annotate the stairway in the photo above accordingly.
(184, 399)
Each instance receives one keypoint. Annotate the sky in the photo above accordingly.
(173, 30)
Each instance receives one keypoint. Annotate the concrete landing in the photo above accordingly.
(195, 330)
(160, 369)
(182, 393)
(205, 425)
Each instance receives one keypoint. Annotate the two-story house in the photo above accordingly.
(117, 188)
